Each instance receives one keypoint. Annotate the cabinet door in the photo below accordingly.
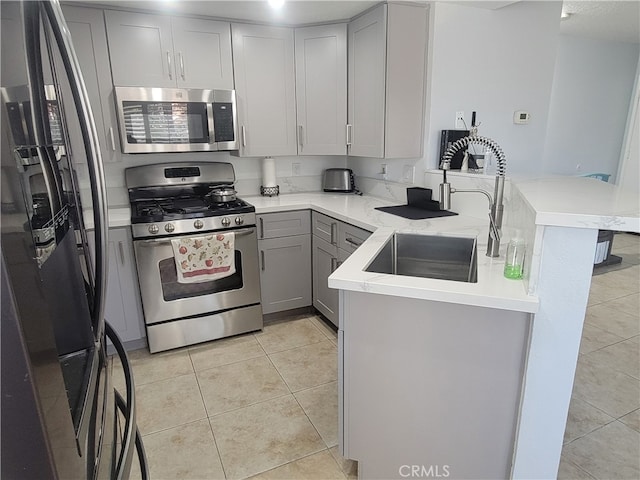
(263, 64)
(202, 53)
(321, 89)
(282, 286)
(90, 42)
(407, 32)
(284, 224)
(141, 50)
(367, 64)
(123, 309)
(325, 261)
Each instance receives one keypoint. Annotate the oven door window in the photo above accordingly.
(172, 290)
(165, 122)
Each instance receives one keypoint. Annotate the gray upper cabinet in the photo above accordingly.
(141, 49)
(90, 41)
(387, 71)
(321, 89)
(203, 53)
(263, 62)
(160, 51)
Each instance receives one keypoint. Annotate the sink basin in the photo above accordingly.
(428, 256)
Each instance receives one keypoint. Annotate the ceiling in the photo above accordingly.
(604, 20)
(297, 12)
(616, 20)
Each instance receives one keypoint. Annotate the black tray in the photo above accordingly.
(415, 213)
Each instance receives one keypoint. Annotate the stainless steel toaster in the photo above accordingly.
(338, 180)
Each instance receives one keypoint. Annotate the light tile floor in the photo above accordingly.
(264, 405)
(261, 405)
(602, 438)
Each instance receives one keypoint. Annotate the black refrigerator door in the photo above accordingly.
(58, 309)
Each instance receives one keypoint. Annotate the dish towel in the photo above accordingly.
(204, 258)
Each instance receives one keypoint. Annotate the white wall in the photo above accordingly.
(248, 171)
(592, 91)
(629, 169)
(493, 62)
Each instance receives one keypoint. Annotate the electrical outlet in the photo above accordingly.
(578, 167)
(459, 121)
(295, 169)
(383, 168)
(408, 173)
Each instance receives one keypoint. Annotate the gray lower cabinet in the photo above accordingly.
(123, 309)
(284, 247)
(325, 261)
(333, 241)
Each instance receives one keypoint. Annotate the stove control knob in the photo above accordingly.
(153, 228)
(169, 227)
(239, 220)
(198, 224)
(225, 222)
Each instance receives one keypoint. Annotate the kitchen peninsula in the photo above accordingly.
(560, 218)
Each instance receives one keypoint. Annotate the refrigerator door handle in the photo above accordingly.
(123, 465)
(94, 158)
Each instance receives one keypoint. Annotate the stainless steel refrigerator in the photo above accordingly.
(61, 416)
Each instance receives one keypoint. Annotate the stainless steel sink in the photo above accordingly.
(429, 256)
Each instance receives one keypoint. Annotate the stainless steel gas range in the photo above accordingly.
(192, 202)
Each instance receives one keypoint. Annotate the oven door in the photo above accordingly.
(163, 298)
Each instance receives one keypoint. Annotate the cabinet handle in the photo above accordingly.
(244, 136)
(181, 65)
(349, 131)
(300, 135)
(261, 227)
(334, 264)
(113, 140)
(169, 65)
(352, 242)
(262, 260)
(334, 227)
(121, 250)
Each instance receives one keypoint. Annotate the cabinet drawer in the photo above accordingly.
(283, 224)
(325, 227)
(350, 237)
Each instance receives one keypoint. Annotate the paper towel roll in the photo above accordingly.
(268, 172)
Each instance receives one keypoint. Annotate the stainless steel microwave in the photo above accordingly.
(154, 120)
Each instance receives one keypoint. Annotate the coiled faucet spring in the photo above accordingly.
(487, 142)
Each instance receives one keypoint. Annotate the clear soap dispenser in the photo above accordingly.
(514, 262)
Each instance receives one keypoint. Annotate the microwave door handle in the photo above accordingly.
(94, 156)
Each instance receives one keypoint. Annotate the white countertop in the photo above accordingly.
(581, 202)
(492, 289)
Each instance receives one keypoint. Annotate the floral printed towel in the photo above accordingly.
(205, 258)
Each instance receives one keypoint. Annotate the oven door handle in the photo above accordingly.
(167, 241)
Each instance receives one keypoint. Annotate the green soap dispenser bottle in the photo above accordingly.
(514, 262)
